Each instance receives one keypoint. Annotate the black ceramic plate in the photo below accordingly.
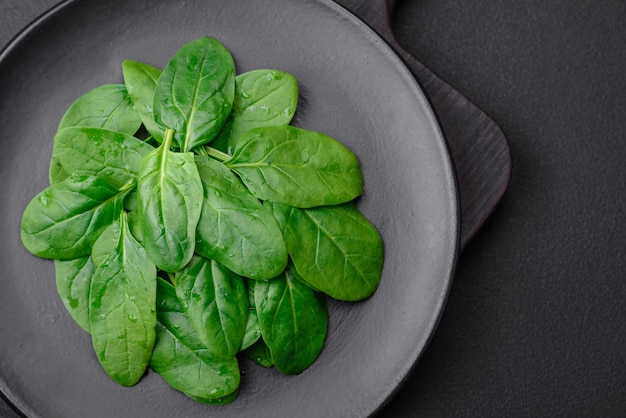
(352, 87)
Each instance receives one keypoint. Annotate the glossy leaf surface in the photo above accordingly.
(296, 167)
(234, 228)
(262, 98)
(216, 303)
(195, 92)
(181, 358)
(73, 279)
(122, 309)
(169, 200)
(293, 320)
(108, 106)
(106, 243)
(112, 156)
(135, 227)
(141, 80)
(64, 220)
(335, 249)
(253, 331)
(259, 352)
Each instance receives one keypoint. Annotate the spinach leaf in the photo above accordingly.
(253, 330)
(122, 300)
(108, 106)
(223, 400)
(130, 203)
(73, 279)
(183, 361)
(64, 220)
(262, 98)
(106, 243)
(220, 142)
(141, 81)
(335, 249)
(293, 319)
(216, 303)
(296, 167)
(169, 201)
(112, 156)
(259, 352)
(135, 227)
(195, 92)
(234, 227)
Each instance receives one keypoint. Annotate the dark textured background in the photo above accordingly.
(535, 321)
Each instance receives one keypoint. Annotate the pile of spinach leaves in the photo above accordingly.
(190, 223)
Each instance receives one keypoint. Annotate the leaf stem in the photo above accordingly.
(167, 138)
(172, 278)
(217, 154)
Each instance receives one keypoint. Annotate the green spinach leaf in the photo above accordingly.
(195, 92)
(108, 106)
(64, 220)
(259, 352)
(122, 309)
(169, 201)
(216, 303)
(181, 358)
(296, 167)
(293, 319)
(73, 279)
(335, 249)
(106, 243)
(134, 225)
(112, 156)
(220, 142)
(234, 227)
(141, 81)
(253, 330)
(262, 98)
(130, 203)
